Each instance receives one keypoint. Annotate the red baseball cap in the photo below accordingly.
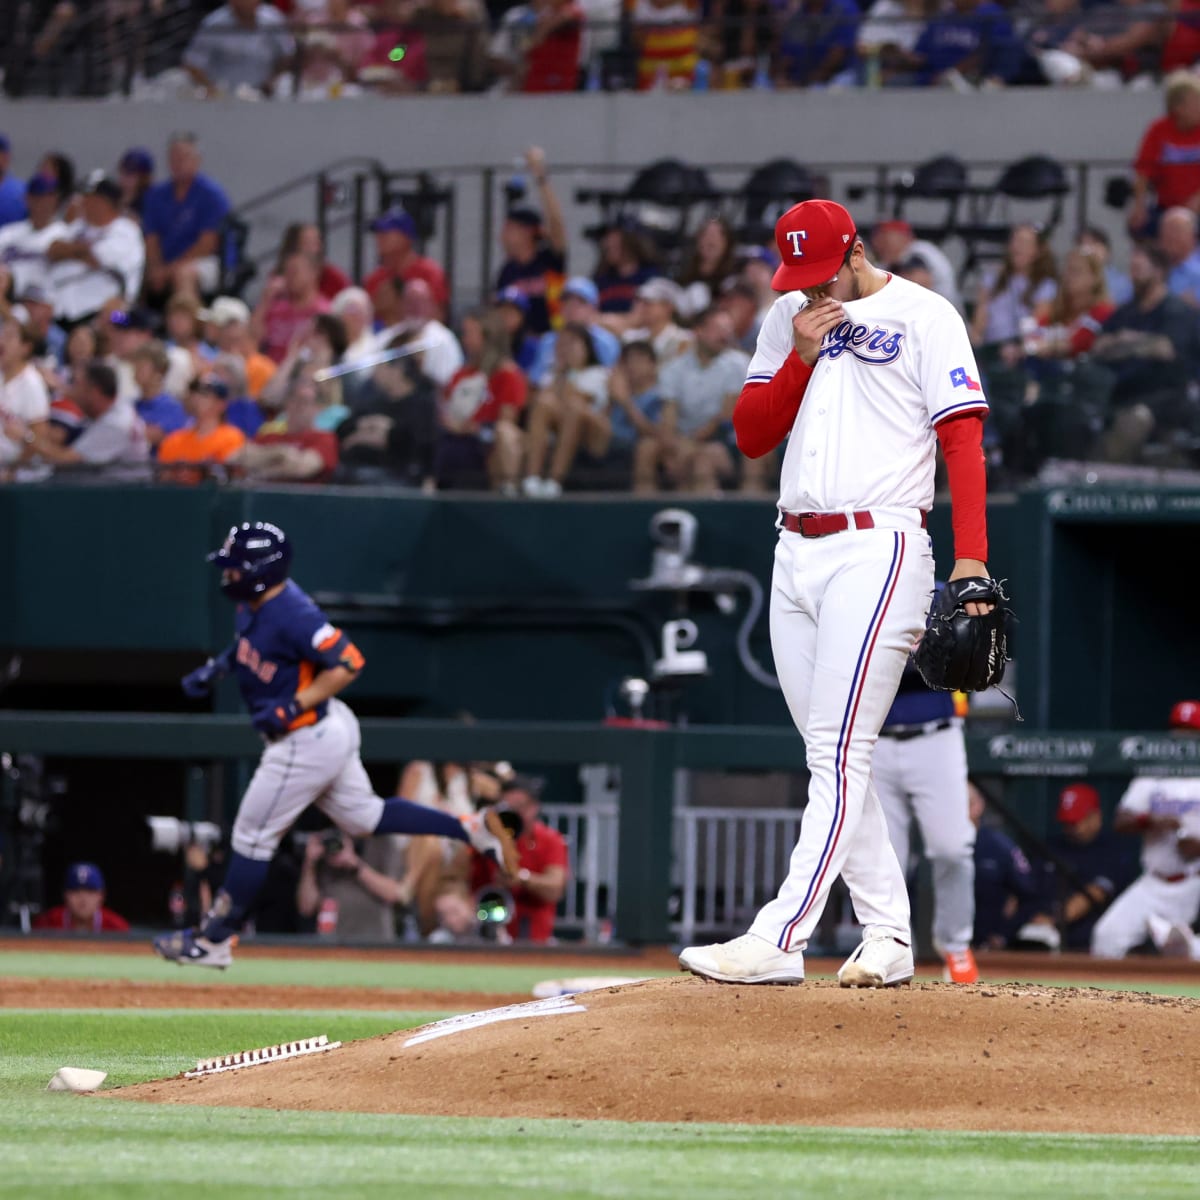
(1186, 715)
(1076, 801)
(813, 237)
(896, 226)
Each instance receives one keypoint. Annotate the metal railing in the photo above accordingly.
(590, 832)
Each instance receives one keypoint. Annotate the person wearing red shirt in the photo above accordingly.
(1167, 168)
(305, 238)
(541, 877)
(477, 418)
(552, 54)
(287, 306)
(395, 242)
(82, 909)
(299, 453)
(1078, 311)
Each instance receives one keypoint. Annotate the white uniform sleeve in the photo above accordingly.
(1136, 800)
(774, 340)
(949, 375)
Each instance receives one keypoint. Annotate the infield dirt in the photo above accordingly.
(930, 1056)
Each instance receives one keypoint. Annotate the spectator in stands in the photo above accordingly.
(478, 420)
(1167, 168)
(353, 306)
(653, 320)
(61, 168)
(1021, 288)
(513, 306)
(82, 909)
(161, 412)
(887, 37)
(709, 261)
(757, 268)
(1177, 240)
(354, 880)
(535, 249)
(316, 348)
(392, 429)
(699, 389)
(229, 318)
(1078, 311)
(112, 435)
(209, 440)
(816, 43)
(455, 34)
(1152, 347)
(1163, 903)
(1123, 40)
(1096, 242)
(568, 409)
(1181, 50)
(740, 35)
(12, 190)
(287, 306)
(135, 173)
(304, 237)
(124, 333)
(38, 303)
(666, 34)
(396, 238)
(182, 219)
(894, 242)
(23, 394)
(441, 355)
(1006, 888)
(242, 411)
(185, 329)
(541, 879)
(395, 64)
(300, 452)
(740, 301)
(578, 302)
(972, 42)
(243, 47)
(1085, 866)
(548, 58)
(100, 260)
(23, 243)
(635, 405)
(626, 261)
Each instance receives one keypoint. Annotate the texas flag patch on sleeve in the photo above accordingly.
(960, 378)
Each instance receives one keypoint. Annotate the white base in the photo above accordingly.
(76, 1079)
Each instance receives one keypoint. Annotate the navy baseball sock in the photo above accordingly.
(403, 816)
(244, 878)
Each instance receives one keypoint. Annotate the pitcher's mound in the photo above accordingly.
(931, 1056)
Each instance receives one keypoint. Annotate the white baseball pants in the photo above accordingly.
(845, 612)
(319, 765)
(1126, 923)
(924, 778)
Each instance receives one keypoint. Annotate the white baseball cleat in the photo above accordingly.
(487, 834)
(746, 959)
(882, 961)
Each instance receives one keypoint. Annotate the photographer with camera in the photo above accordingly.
(541, 877)
(82, 909)
(351, 888)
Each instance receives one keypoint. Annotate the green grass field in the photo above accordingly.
(56, 1145)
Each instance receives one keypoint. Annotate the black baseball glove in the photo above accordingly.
(961, 653)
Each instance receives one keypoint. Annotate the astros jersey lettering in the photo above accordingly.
(282, 646)
(864, 437)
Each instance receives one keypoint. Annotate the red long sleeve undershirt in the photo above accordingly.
(962, 448)
(765, 413)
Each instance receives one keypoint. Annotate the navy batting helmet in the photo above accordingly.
(261, 555)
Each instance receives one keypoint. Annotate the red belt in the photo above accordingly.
(821, 524)
(1171, 878)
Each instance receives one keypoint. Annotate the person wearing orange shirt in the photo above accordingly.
(210, 439)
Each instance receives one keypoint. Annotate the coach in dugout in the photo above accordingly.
(82, 909)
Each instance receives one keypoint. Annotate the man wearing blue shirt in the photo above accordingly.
(182, 219)
(12, 190)
(1177, 240)
(816, 42)
(973, 38)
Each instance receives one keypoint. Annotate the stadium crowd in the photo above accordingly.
(339, 48)
(119, 350)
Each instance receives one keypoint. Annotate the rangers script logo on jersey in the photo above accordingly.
(877, 346)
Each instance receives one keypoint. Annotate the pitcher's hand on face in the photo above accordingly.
(812, 323)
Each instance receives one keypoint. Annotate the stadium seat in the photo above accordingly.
(769, 191)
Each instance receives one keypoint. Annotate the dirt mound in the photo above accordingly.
(930, 1056)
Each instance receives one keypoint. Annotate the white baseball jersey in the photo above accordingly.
(80, 289)
(1170, 797)
(23, 251)
(864, 437)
